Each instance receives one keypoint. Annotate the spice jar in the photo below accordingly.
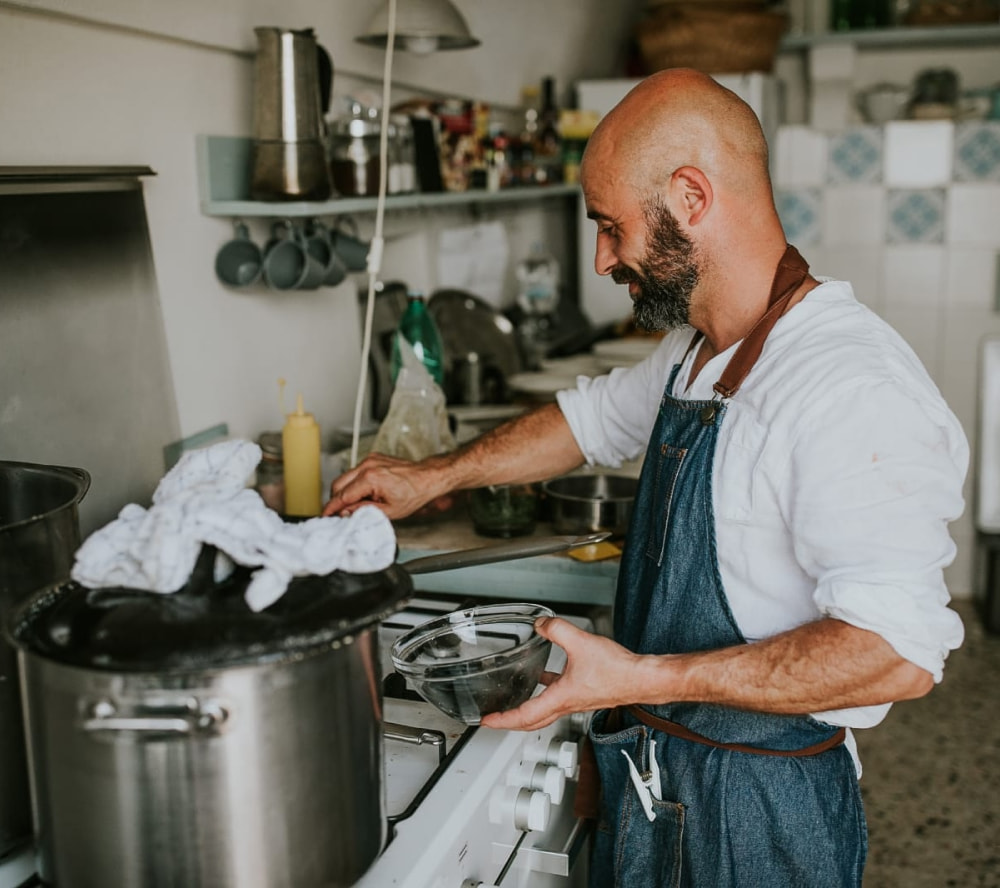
(271, 472)
(354, 152)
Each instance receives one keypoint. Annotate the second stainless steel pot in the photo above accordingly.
(39, 532)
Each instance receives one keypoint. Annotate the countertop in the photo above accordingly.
(556, 577)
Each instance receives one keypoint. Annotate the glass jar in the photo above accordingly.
(270, 482)
(505, 510)
(354, 152)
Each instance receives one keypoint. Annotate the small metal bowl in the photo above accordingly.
(473, 662)
(590, 503)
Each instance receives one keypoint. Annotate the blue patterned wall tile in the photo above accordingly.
(977, 152)
(915, 216)
(855, 156)
(799, 211)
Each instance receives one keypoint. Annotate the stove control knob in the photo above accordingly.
(544, 778)
(563, 754)
(580, 721)
(520, 807)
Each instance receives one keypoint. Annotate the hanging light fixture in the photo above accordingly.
(422, 27)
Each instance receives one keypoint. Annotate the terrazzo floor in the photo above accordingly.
(931, 781)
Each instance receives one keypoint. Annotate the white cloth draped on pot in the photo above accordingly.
(203, 500)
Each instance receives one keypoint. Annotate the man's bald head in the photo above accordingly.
(680, 117)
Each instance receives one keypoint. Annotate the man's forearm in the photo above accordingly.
(532, 447)
(823, 665)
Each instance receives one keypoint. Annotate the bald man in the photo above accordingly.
(781, 582)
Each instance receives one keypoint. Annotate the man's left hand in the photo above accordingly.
(598, 674)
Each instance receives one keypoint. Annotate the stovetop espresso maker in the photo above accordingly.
(293, 80)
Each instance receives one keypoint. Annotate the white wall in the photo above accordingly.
(116, 82)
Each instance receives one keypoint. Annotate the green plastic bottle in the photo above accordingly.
(418, 328)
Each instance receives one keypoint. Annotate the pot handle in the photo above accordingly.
(499, 552)
(194, 718)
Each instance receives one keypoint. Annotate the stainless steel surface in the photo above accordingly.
(39, 532)
(288, 154)
(265, 776)
(599, 502)
(520, 548)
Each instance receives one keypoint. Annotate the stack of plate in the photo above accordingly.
(613, 353)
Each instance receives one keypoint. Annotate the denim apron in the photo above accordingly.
(745, 799)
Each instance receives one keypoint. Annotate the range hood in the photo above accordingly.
(27, 179)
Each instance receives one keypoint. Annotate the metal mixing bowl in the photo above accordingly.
(472, 662)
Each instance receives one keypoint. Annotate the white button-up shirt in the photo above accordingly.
(837, 470)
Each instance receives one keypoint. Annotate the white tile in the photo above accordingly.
(974, 215)
(861, 266)
(914, 276)
(830, 105)
(920, 327)
(971, 279)
(854, 215)
(801, 214)
(918, 153)
(800, 157)
(832, 61)
(961, 343)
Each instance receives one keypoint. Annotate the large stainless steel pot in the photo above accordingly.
(181, 740)
(39, 532)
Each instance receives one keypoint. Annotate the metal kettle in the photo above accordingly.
(293, 78)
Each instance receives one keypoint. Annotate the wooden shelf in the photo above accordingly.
(224, 177)
(904, 37)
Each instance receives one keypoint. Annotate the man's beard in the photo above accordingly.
(668, 274)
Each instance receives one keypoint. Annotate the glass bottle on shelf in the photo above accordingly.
(548, 142)
(417, 326)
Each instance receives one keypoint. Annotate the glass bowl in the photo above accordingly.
(476, 661)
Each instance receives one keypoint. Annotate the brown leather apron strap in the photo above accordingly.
(792, 271)
(676, 730)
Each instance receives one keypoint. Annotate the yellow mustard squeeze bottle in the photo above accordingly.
(300, 445)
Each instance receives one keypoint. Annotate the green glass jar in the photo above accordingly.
(506, 510)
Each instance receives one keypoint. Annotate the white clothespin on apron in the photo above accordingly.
(649, 788)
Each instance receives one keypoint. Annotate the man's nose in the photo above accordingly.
(604, 257)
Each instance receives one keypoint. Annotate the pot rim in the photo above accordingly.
(591, 500)
(81, 477)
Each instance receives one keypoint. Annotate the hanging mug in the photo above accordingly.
(319, 243)
(240, 261)
(288, 264)
(349, 246)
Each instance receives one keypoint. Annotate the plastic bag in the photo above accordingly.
(416, 425)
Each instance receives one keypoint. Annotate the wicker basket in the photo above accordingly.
(717, 38)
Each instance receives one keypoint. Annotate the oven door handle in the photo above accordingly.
(554, 861)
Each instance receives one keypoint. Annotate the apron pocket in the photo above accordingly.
(668, 467)
(630, 850)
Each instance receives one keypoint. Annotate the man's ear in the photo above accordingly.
(692, 193)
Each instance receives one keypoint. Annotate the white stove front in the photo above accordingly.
(499, 811)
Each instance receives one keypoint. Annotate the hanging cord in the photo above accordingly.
(377, 244)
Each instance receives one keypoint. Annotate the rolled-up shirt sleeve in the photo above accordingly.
(872, 481)
(612, 416)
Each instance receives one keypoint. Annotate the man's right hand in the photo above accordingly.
(397, 486)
